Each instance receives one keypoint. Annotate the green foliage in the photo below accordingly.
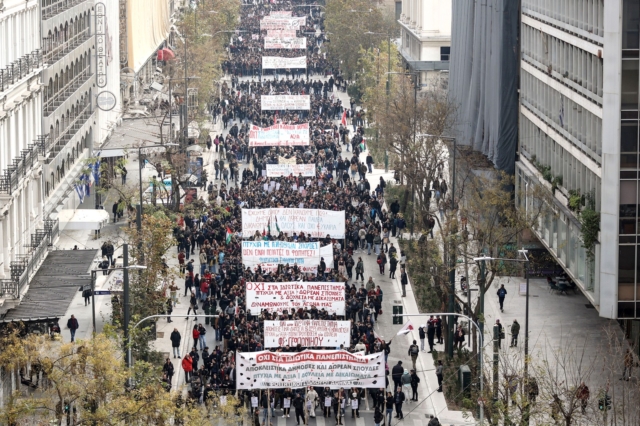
(575, 200)
(355, 91)
(590, 221)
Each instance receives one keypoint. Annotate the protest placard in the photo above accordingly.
(281, 33)
(320, 368)
(280, 135)
(280, 252)
(280, 170)
(285, 102)
(277, 62)
(276, 296)
(316, 333)
(281, 23)
(285, 43)
(314, 222)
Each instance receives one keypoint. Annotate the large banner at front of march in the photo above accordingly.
(313, 222)
(315, 333)
(333, 369)
(277, 62)
(280, 252)
(285, 102)
(280, 135)
(285, 43)
(326, 252)
(277, 296)
(283, 170)
(277, 23)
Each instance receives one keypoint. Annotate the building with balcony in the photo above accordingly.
(426, 39)
(579, 128)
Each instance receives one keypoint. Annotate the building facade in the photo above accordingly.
(426, 39)
(579, 137)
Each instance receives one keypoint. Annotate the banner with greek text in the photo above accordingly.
(277, 296)
(283, 160)
(282, 33)
(276, 23)
(277, 62)
(313, 222)
(316, 333)
(333, 369)
(326, 252)
(280, 135)
(280, 252)
(285, 102)
(281, 170)
(285, 43)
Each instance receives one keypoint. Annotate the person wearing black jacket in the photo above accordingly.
(168, 370)
(422, 336)
(175, 342)
(414, 385)
(298, 405)
(398, 400)
(378, 417)
(431, 332)
(396, 373)
(389, 403)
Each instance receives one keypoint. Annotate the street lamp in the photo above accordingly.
(526, 262)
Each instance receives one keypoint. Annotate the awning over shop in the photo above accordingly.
(90, 219)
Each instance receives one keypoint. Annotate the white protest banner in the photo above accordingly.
(280, 135)
(282, 160)
(280, 13)
(313, 222)
(276, 23)
(285, 102)
(255, 36)
(276, 296)
(333, 369)
(326, 253)
(285, 43)
(282, 33)
(277, 62)
(281, 252)
(281, 170)
(317, 333)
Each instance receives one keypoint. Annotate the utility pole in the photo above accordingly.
(126, 307)
(496, 342)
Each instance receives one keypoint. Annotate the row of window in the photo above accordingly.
(59, 84)
(27, 24)
(576, 124)
(568, 61)
(573, 173)
(587, 15)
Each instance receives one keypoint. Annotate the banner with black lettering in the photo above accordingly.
(278, 296)
(306, 333)
(333, 369)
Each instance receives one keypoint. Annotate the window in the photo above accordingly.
(630, 24)
(445, 51)
(629, 93)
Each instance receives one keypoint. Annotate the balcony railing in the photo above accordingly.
(56, 50)
(57, 7)
(26, 265)
(57, 99)
(69, 132)
(10, 178)
(18, 69)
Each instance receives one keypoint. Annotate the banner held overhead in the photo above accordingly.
(285, 102)
(332, 369)
(277, 296)
(313, 222)
(283, 170)
(285, 43)
(317, 333)
(277, 62)
(280, 135)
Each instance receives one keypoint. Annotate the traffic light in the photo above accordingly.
(604, 403)
(601, 404)
(397, 310)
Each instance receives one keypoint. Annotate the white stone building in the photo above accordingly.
(426, 39)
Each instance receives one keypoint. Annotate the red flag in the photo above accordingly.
(408, 327)
(344, 118)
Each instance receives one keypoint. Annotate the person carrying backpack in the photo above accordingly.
(414, 350)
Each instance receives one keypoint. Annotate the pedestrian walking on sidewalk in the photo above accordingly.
(415, 380)
(187, 366)
(360, 269)
(500, 333)
(439, 374)
(414, 351)
(193, 306)
(431, 331)
(396, 374)
(168, 370)
(404, 280)
(175, 342)
(73, 325)
(422, 335)
(515, 329)
(169, 309)
(502, 293)
(399, 399)
(393, 264)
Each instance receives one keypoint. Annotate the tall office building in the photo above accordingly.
(579, 133)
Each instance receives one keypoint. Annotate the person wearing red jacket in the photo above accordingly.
(196, 335)
(204, 289)
(187, 366)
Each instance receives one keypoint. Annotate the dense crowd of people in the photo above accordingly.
(209, 238)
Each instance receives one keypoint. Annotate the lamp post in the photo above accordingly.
(480, 355)
(526, 262)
